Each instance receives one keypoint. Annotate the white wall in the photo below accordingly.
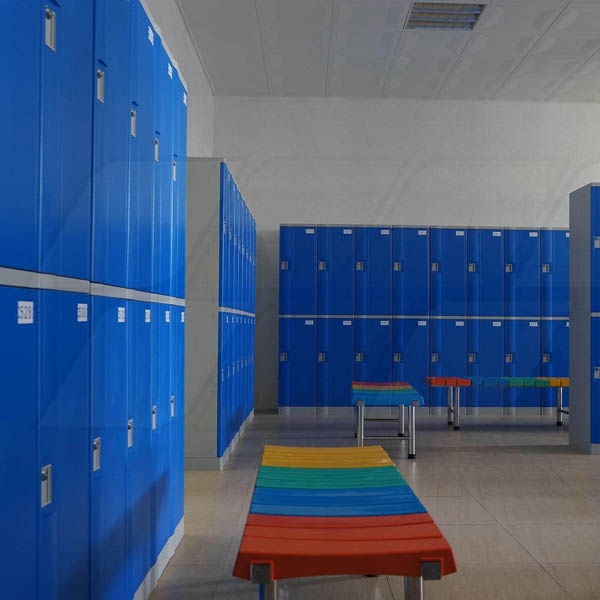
(336, 160)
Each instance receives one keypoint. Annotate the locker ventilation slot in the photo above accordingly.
(284, 265)
(472, 267)
(100, 85)
(546, 357)
(96, 445)
(360, 266)
(472, 357)
(435, 357)
(546, 268)
(359, 357)
(133, 122)
(50, 28)
(435, 267)
(398, 266)
(322, 265)
(508, 358)
(283, 357)
(508, 268)
(46, 485)
(397, 357)
(322, 357)
(130, 433)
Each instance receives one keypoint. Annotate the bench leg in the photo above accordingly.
(361, 423)
(559, 407)
(268, 591)
(457, 409)
(413, 588)
(412, 443)
(450, 405)
(401, 429)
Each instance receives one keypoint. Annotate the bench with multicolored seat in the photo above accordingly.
(337, 511)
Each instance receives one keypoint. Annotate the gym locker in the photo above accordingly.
(111, 145)
(448, 272)
(555, 356)
(19, 322)
(335, 270)
(373, 271)
(485, 358)
(522, 359)
(68, 79)
(297, 362)
(335, 361)
(594, 408)
(410, 353)
(20, 42)
(107, 441)
(410, 271)
(372, 349)
(225, 379)
(144, 216)
(64, 452)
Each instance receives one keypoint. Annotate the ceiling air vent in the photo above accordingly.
(444, 15)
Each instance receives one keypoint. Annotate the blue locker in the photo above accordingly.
(410, 271)
(373, 275)
(594, 235)
(555, 272)
(108, 434)
(297, 362)
(18, 441)
(221, 383)
(20, 42)
(522, 273)
(64, 421)
(142, 134)
(448, 350)
(411, 353)
(372, 349)
(335, 361)
(235, 273)
(111, 144)
(595, 360)
(448, 277)
(555, 356)
(485, 358)
(522, 350)
(142, 344)
(335, 274)
(485, 274)
(66, 150)
(163, 171)
(225, 380)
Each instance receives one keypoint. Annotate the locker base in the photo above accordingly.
(412, 456)
(450, 423)
(456, 427)
(559, 423)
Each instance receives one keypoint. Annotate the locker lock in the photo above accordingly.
(545, 268)
(284, 265)
(46, 485)
(435, 267)
(508, 268)
(322, 265)
(360, 265)
(359, 357)
(397, 357)
(96, 445)
(472, 267)
(283, 357)
(398, 266)
(546, 357)
(472, 357)
(435, 357)
(508, 358)
(596, 372)
(322, 357)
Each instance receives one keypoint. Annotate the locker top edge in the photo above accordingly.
(589, 185)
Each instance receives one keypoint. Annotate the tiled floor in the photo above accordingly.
(521, 511)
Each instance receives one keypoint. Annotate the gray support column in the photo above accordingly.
(450, 406)
(457, 408)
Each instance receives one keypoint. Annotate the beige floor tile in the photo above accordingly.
(457, 510)
(582, 582)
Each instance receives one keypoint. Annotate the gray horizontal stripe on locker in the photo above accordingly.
(554, 318)
(111, 291)
(42, 281)
(595, 314)
(235, 311)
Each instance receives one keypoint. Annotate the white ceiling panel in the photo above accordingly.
(584, 85)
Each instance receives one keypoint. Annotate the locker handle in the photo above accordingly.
(156, 149)
(508, 268)
(472, 267)
(130, 433)
(50, 29)
(435, 267)
(508, 358)
(133, 128)
(359, 357)
(596, 372)
(546, 357)
(546, 268)
(435, 357)
(284, 265)
(397, 357)
(322, 265)
(283, 357)
(154, 417)
(398, 266)
(96, 449)
(597, 241)
(322, 357)
(100, 85)
(46, 485)
(174, 170)
(173, 405)
(360, 265)
(472, 357)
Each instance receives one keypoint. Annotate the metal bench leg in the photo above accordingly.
(361, 423)
(401, 428)
(457, 409)
(412, 442)
(268, 591)
(450, 405)
(559, 407)
(267, 587)
(413, 588)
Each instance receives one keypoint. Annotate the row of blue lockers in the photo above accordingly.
(420, 271)
(95, 138)
(237, 255)
(92, 454)
(320, 357)
(235, 399)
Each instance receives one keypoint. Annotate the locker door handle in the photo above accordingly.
(359, 357)
(283, 357)
(50, 28)
(133, 122)
(435, 267)
(398, 266)
(96, 449)
(472, 357)
(156, 149)
(360, 266)
(472, 267)
(172, 406)
(546, 357)
(130, 433)
(100, 85)
(508, 358)
(546, 268)
(174, 170)
(154, 417)
(597, 241)
(46, 485)
(322, 357)
(435, 357)
(322, 265)
(397, 357)
(508, 268)
(596, 372)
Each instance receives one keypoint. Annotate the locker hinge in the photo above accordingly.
(359, 357)
(322, 265)
(50, 28)
(508, 358)
(96, 445)
(100, 85)
(156, 149)
(397, 357)
(283, 357)
(596, 372)
(130, 433)
(46, 485)
(435, 357)
(398, 266)
(154, 417)
(472, 358)
(435, 267)
(322, 357)
(508, 268)
(284, 265)
(597, 241)
(472, 267)
(546, 357)
(546, 268)
(133, 127)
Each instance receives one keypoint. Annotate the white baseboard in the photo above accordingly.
(222, 461)
(156, 570)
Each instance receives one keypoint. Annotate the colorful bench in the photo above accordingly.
(337, 511)
(454, 384)
(395, 393)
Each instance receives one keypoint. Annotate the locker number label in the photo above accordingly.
(147, 315)
(533, 234)
(346, 323)
(309, 322)
(422, 323)
(567, 323)
(167, 316)
(460, 323)
(385, 232)
(422, 232)
(496, 234)
(121, 314)
(567, 234)
(82, 313)
(460, 233)
(384, 323)
(310, 231)
(24, 312)
(496, 324)
(347, 231)
(533, 323)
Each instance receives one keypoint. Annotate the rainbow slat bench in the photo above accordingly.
(337, 511)
(387, 394)
(454, 384)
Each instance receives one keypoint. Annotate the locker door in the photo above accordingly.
(222, 379)
(448, 346)
(373, 349)
(142, 352)
(142, 135)
(64, 418)
(373, 271)
(522, 347)
(411, 353)
(19, 318)
(335, 362)
(108, 442)
(20, 42)
(554, 272)
(522, 273)
(485, 358)
(111, 145)
(398, 271)
(223, 234)
(594, 249)
(297, 362)
(66, 158)
(485, 273)
(415, 300)
(448, 272)
(595, 382)
(555, 356)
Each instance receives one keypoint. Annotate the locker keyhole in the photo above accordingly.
(472, 357)
(322, 265)
(472, 267)
(546, 357)
(546, 268)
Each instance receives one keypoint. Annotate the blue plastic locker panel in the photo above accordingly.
(372, 349)
(235, 272)
(335, 270)
(373, 271)
(223, 232)
(485, 273)
(448, 353)
(109, 434)
(222, 381)
(399, 278)
(68, 81)
(111, 144)
(410, 353)
(226, 347)
(142, 345)
(448, 272)
(142, 133)
(335, 361)
(297, 362)
(297, 270)
(555, 356)
(411, 251)
(595, 383)
(555, 272)
(595, 250)
(522, 272)
(485, 358)
(522, 345)
(19, 318)
(20, 43)
(64, 443)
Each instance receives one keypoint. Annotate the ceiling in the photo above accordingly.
(531, 50)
